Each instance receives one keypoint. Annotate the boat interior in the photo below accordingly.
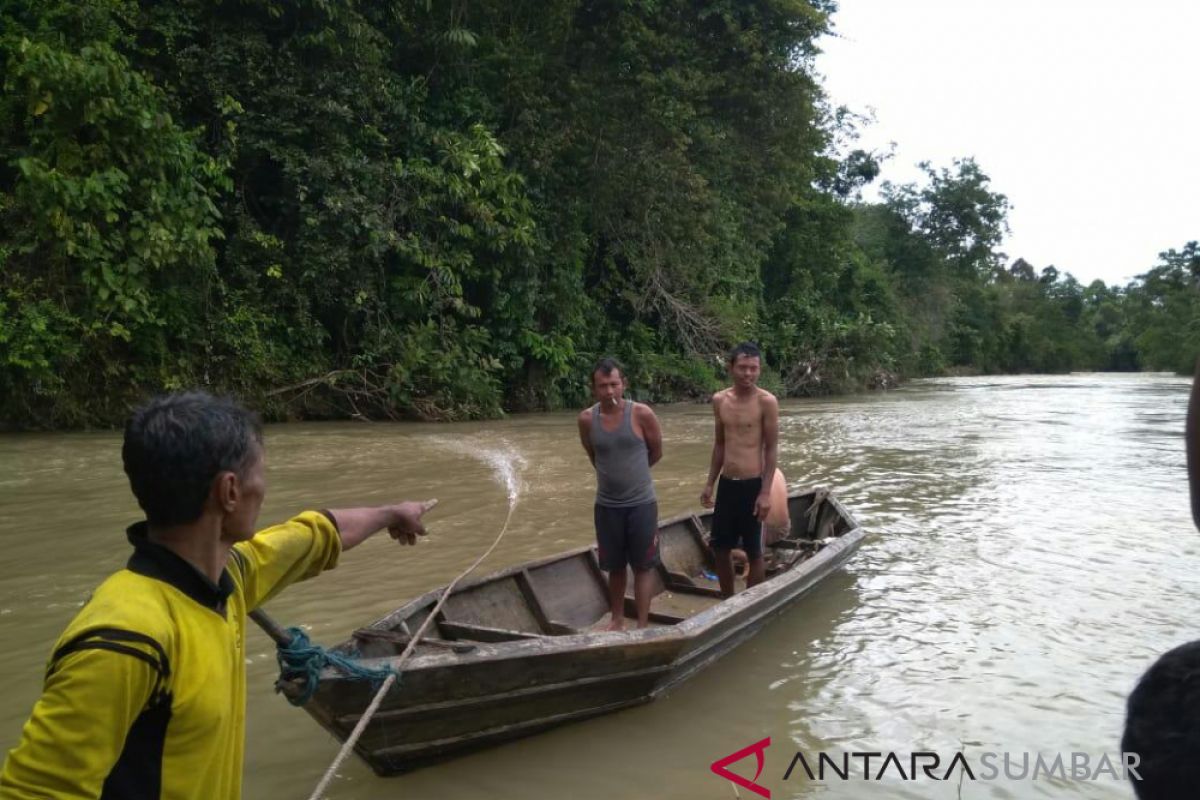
(568, 594)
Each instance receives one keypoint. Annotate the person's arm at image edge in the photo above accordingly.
(1192, 435)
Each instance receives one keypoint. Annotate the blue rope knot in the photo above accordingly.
(301, 660)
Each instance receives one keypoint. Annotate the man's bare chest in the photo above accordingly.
(741, 418)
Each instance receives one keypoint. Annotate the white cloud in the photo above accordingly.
(1083, 113)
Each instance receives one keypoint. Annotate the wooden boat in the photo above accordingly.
(524, 649)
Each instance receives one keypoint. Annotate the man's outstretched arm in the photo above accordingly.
(403, 521)
(311, 543)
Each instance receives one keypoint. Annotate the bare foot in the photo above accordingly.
(618, 624)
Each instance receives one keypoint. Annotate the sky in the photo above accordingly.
(1084, 114)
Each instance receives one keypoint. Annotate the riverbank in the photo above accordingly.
(319, 400)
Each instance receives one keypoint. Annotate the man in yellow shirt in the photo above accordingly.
(145, 691)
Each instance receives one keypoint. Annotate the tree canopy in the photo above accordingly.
(409, 209)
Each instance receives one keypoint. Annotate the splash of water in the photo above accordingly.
(506, 467)
(506, 462)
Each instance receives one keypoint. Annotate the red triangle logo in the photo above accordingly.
(718, 767)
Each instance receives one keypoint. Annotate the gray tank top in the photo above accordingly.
(622, 463)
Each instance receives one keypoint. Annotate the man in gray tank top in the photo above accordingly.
(623, 439)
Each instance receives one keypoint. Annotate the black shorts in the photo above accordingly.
(734, 523)
(627, 536)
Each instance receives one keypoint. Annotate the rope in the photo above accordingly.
(395, 667)
(301, 660)
(814, 511)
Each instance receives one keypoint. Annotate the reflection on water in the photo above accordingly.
(1031, 553)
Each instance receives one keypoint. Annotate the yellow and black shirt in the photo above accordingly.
(145, 692)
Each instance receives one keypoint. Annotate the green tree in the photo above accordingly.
(108, 220)
(1163, 311)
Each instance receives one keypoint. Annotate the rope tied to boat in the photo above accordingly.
(398, 662)
(820, 495)
(301, 663)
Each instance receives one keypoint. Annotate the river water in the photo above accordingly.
(1031, 552)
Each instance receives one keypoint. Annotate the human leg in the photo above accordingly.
(732, 519)
(616, 598)
(642, 541)
(643, 585)
(612, 546)
(755, 565)
(723, 560)
(756, 572)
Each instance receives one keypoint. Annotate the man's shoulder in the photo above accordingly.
(127, 591)
(643, 410)
(585, 416)
(125, 601)
(720, 395)
(766, 397)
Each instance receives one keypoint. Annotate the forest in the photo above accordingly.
(414, 210)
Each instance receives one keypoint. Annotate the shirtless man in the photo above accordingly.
(745, 449)
(623, 440)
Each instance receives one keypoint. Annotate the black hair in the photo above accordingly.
(1161, 726)
(605, 366)
(176, 444)
(748, 349)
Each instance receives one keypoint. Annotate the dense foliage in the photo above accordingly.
(409, 209)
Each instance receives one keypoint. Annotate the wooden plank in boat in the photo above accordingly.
(680, 548)
(569, 592)
(535, 605)
(655, 616)
(795, 544)
(495, 604)
(678, 578)
(399, 640)
(702, 591)
(483, 633)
